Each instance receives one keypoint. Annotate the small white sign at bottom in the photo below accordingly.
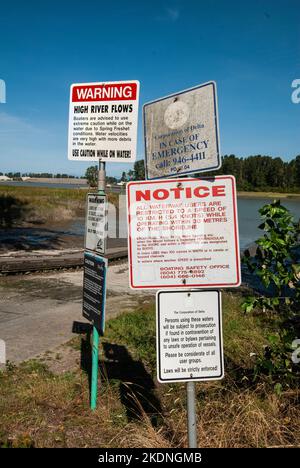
(189, 336)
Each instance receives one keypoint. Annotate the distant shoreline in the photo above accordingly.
(274, 195)
(48, 180)
(69, 183)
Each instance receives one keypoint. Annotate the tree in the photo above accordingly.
(297, 170)
(139, 170)
(124, 177)
(130, 175)
(91, 174)
(111, 180)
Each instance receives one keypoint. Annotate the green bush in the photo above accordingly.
(275, 264)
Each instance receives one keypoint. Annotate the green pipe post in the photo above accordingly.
(95, 347)
(95, 359)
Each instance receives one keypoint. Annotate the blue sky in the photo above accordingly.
(250, 48)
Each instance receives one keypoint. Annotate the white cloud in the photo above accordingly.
(169, 14)
(173, 13)
(12, 124)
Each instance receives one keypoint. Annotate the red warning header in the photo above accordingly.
(105, 92)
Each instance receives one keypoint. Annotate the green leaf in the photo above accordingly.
(275, 301)
(249, 308)
(273, 339)
(278, 388)
(287, 363)
(276, 281)
(296, 268)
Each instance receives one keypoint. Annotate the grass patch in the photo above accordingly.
(36, 205)
(136, 331)
(41, 409)
(243, 334)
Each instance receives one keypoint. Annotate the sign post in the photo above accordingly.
(191, 414)
(189, 343)
(94, 292)
(95, 346)
(103, 119)
(95, 358)
(184, 233)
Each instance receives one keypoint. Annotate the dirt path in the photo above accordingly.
(37, 310)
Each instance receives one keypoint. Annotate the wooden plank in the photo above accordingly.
(30, 262)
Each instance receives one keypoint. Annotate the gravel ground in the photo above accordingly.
(37, 310)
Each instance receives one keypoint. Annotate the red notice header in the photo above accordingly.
(104, 92)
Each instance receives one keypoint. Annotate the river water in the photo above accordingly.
(248, 218)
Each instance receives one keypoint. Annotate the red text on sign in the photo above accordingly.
(104, 92)
(180, 192)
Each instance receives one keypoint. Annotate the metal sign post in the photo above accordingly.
(94, 380)
(191, 414)
(95, 347)
(184, 234)
(189, 343)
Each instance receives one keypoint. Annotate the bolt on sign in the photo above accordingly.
(96, 223)
(189, 336)
(94, 289)
(181, 133)
(183, 233)
(103, 121)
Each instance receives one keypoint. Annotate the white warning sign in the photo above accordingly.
(103, 121)
(189, 336)
(183, 233)
(96, 223)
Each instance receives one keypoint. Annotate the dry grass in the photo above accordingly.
(143, 435)
(246, 418)
(233, 419)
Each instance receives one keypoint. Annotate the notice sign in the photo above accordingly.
(94, 289)
(103, 121)
(183, 233)
(182, 133)
(189, 336)
(96, 223)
